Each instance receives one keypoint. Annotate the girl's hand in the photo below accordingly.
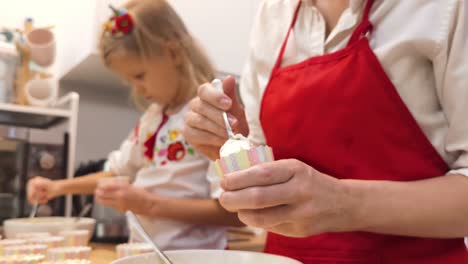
(41, 190)
(204, 124)
(288, 197)
(124, 197)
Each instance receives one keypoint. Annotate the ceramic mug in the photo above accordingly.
(41, 92)
(41, 42)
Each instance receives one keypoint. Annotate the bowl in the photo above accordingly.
(52, 225)
(209, 257)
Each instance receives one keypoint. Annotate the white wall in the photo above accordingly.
(74, 21)
(105, 120)
(222, 27)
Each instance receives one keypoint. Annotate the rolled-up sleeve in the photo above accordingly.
(126, 161)
(451, 72)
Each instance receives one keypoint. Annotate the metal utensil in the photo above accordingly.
(218, 84)
(33, 212)
(83, 212)
(135, 223)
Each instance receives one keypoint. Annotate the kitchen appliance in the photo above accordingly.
(13, 153)
(111, 225)
(21, 160)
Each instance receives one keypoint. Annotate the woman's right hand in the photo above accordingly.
(204, 124)
(41, 190)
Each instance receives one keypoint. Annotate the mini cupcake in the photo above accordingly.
(9, 243)
(239, 154)
(69, 261)
(22, 259)
(75, 238)
(50, 242)
(68, 253)
(25, 250)
(132, 249)
(30, 235)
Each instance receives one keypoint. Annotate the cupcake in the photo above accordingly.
(239, 154)
(9, 243)
(75, 238)
(50, 242)
(132, 249)
(22, 259)
(30, 235)
(69, 261)
(25, 250)
(68, 253)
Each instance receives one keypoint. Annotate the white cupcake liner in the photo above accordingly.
(25, 250)
(22, 259)
(69, 261)
(68, 253)
(243, 159)
(10, 242)
(30, 235)
(75, 238)
(132, 249)
(50, 242)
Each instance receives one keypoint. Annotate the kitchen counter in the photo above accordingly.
(102, 253)
(239, 239)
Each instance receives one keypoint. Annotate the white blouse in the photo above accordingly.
(175, 170)
(422, 46)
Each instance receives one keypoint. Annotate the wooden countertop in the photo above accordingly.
(239, 239)
(102, 253)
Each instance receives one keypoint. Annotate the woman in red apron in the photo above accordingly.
(356, 179)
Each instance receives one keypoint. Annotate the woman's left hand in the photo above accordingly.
(288, 197)
(125, 197)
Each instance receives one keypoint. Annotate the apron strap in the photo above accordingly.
(285, 42)
(362, 29)
(365, 26)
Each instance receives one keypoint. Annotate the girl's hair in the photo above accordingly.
(156, 27)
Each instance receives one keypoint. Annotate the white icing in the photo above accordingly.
(235, 145)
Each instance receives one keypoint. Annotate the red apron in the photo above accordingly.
(341, 114)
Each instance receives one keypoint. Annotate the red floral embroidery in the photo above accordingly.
(150, 143)
(176, 152)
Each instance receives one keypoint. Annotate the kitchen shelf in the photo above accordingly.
(34, 117)
(64, 111)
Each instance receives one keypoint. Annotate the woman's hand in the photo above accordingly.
(288, 197)
(41, 190)
(204, 124)
(124, 197)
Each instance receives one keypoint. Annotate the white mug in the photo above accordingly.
(41, 42)
(41, 92)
